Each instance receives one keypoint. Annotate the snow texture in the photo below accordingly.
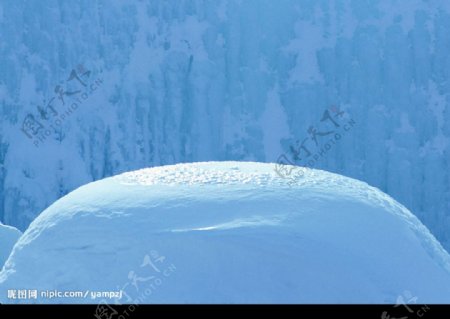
(229, 232)
(8, 237)
(194, 80)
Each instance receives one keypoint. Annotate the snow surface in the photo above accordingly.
(8, 237)
(229, 232)
(194, 80)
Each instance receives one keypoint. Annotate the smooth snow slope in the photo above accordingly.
(8, 237)
(232, 232)
(196, 80)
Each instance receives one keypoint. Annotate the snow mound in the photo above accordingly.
(227, 232)
(8, 237)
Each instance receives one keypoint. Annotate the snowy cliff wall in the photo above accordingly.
(89, 89)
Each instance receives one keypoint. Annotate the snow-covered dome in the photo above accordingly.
(228, 232)
(8, 237)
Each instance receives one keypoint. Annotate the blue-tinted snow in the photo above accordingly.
(193, 80)
(228, 232)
